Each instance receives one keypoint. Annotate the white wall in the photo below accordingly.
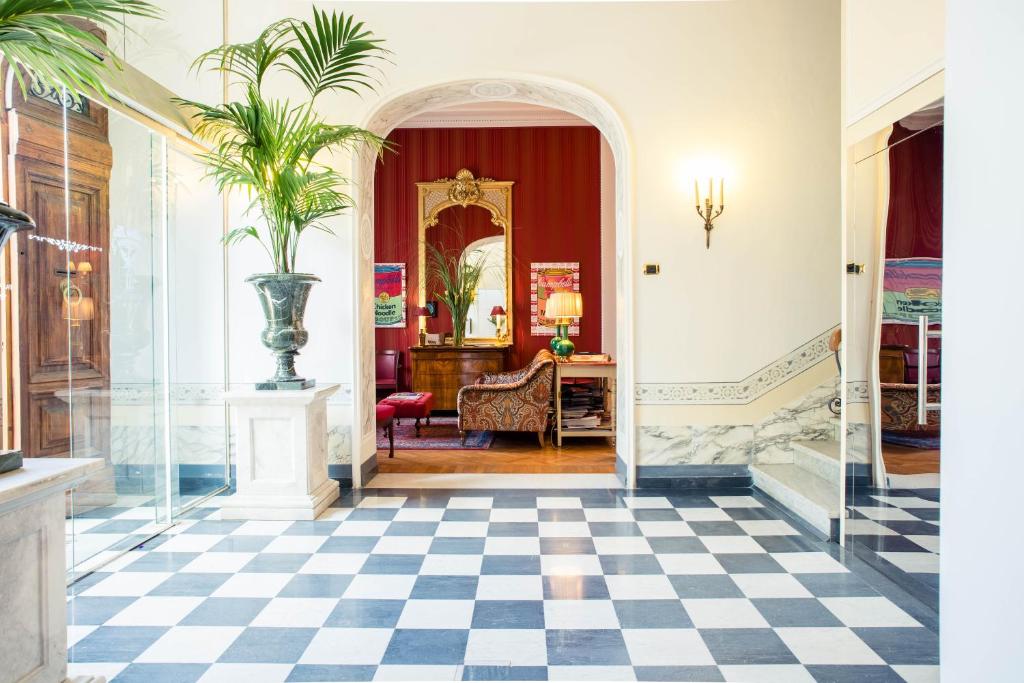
(891, 46)
(752, 83)
(982, 453)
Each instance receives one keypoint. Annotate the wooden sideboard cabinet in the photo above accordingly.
(443, 370)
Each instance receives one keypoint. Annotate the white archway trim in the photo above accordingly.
(401, 106)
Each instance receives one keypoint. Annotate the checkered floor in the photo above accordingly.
(901, 528)
(494, 585)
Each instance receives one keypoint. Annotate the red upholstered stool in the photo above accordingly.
(386, 421)
(411, 405)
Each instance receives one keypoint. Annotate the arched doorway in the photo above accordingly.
(531, 90)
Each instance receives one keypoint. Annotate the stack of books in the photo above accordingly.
(583, 406)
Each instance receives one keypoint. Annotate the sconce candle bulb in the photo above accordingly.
(706, 208)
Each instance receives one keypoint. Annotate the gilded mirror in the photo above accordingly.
(467, 221)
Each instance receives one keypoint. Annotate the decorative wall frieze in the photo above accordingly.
(857, 392)
(746, 390)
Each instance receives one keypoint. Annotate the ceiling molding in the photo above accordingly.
(494, 114)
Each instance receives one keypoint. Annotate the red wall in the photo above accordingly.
(556, 214)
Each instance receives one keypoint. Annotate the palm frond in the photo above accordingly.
(43, 38)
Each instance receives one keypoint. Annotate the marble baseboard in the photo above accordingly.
(694, 445)
(693, 476)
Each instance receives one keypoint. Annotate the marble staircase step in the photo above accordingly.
(820, 458)
(812, 498)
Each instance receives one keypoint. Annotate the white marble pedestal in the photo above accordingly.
(33, 631)
(281, 462)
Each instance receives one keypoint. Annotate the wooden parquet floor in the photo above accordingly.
(906, 460)
(510, 454)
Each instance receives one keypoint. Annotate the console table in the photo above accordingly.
(443, 370)
(604, 374)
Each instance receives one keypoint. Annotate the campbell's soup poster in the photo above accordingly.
(546, 279)
(389, 294)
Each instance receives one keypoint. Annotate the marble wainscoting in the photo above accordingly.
(806, 419)
(694, 456)
(858, 442)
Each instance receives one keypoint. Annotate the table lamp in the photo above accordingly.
(563, 307)
(498, 313)
(421, 312)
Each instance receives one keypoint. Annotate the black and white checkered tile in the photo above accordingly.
(509, 585)
(900, 528)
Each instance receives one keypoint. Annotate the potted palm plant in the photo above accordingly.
(271, 149)
(46, 41)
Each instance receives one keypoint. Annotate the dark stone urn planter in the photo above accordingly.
(283, 298)
(11, 221)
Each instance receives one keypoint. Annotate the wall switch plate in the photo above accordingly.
(854, 268)
(652, 269)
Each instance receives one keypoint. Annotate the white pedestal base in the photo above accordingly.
(281, 466)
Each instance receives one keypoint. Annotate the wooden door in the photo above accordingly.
(59, 360)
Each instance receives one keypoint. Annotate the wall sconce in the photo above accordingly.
(706, 206)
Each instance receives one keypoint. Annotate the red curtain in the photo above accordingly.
(556, 206)
(914, 225)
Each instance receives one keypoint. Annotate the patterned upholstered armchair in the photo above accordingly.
(510, 401)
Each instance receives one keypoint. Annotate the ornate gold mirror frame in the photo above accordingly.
(465, 190)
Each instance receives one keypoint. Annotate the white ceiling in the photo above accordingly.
(493, 115)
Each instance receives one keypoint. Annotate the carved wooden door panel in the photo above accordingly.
(62, 285)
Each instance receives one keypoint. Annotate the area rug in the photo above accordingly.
(441, 434)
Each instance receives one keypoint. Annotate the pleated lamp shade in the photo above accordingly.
(564, 305)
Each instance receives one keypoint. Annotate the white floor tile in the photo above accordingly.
(917, 673)
(558, 503)
(640, 587)
(666, 528)
(89, 670)
(591, 673)
(868, 612)
(419, 515)
(666, 647)
(470, 503)
(907, 501)
(191, 644)
(334, 563)
(296, 612)
(362, 528)
(380, 587)
(461, 530)
(127, 584)
(498, 587)
(512, 545)
(767, 527)
(914, 563)
(401, 672)
(456, 614)
(690, 563)
(347, 646)
(929, 543)
(646, 502)
(519, 647)
(514, 515)
(728, 545)
(227, 563)
(770, 586)
(155, 611)
(724, 613)
(809, 563)
(622, 545)
(261, 528)
(767, 673)
(76, 633)
(382, 502)
(867, 527)
(608, 514)
(451, 565)
(334, 514)
(403, 545)
(704, 514)
(119, 563)
(250, 673)
(736, 502)
(580, 614)
(253, 586)
(571, 565)
(295, 544)
(834, 646)
(190, 543)
(564, 530)
(888, 514)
